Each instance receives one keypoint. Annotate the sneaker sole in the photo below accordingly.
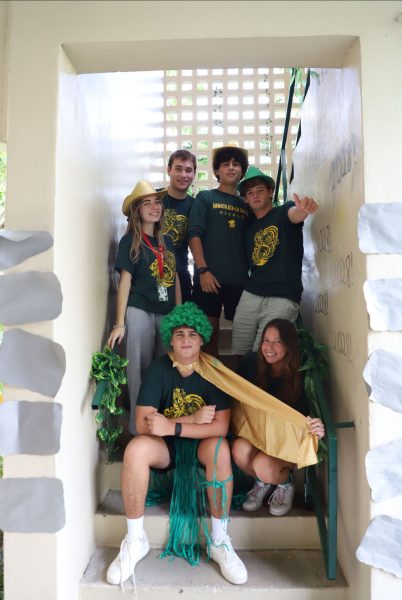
(109, 579)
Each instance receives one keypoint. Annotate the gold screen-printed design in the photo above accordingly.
(265, 243)
(183, 404)
(169, 270)
(175, 226)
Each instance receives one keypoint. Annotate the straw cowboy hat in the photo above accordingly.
(235, 149)
(142, 189)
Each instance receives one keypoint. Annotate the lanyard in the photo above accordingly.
(157, 253)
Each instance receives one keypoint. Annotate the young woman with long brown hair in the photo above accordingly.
(275, 369)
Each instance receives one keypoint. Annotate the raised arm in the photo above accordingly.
(303, 207)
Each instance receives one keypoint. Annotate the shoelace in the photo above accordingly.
(126, 543)
(257, 491)
(279, 495)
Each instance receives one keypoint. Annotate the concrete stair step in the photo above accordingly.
(272, 575)
(252, 531)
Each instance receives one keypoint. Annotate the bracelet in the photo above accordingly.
(202, 270)
(114, 326)
(177, 429)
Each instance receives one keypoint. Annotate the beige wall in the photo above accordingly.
(329, 166)
(38, 197)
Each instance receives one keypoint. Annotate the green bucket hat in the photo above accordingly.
(253, 173)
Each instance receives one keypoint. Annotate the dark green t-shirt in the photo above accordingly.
(220, 219)
(274, 249)
(175, 225)
(145, 275)
(248, 370)
(175, 396)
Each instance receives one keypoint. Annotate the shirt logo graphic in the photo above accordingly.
(183, 404)
(265, 242)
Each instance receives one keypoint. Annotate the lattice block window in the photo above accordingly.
(206, 108)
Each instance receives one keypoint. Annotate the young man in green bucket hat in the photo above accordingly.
(274, 248)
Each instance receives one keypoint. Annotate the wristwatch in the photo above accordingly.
(177, 429)
(202, 270)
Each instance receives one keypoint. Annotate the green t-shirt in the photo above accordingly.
(175, 225)
(220, 219)
(248, 370)
(274, 247)
(175, 396)
(145, 275)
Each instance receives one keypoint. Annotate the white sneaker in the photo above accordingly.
(281, 501)
(256, 496)
(232, 568)
(131, 552)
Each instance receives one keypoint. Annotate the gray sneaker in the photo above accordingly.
(281, 501)
(256, 496)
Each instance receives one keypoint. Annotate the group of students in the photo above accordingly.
(247, 256)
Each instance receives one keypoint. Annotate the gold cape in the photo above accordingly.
(269, 424)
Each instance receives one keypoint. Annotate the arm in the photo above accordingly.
(208, 281)
(123, 292)
(178, 296)
(160, 426)
(303, 207)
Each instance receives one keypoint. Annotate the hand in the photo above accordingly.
(116, 335)
(316, 426)
(209, 283)
(204, 415)
(306, 204)
(159, 425)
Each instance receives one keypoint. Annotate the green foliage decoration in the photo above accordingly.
(314, 358)
(108, 370)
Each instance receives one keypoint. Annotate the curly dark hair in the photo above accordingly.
(227, 154)
(292, 384)
(185, 315)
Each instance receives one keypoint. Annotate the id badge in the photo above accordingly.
(162, 293)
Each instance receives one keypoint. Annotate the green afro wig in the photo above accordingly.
(187, 315)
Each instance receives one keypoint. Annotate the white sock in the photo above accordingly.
(135, 528)
(219, 528)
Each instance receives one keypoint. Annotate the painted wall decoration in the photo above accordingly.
(383, 298)
(380, 227)
(384, 474)
(381, 545)
(29, 297)
(17, 246)
(30, 427)
(382, 374)
(31, 505)
(31, 362)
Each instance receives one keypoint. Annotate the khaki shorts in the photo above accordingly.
(252, 314)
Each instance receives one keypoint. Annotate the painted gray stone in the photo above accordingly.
(383, 468)
(379, 227)
(383, 375)
(31, 362)
(381, 545)
(30, 427)
(29, 297)
(31, 505)
(383, 299)
(17, 246)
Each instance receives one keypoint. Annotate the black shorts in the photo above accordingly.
(185, 285)
(169, 441)
(211, 304)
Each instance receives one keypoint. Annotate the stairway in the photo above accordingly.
(282, 554)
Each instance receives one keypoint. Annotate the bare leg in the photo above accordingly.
(206, 455)
(212, 346)
(142, 453)
(243, 453)
(270, 469)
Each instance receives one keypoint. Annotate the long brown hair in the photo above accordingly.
(135, 227)
(291, 387)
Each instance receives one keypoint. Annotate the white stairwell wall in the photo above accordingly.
(113, 36)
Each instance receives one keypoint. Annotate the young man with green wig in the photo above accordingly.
(175, 406)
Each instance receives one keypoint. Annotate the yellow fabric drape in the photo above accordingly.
(269, 424)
